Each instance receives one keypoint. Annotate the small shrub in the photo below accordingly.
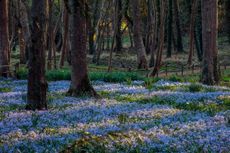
(123, 118)
(22, 73)
(5, 89)
(149, 82)
(129, 81)
(175, 78)
(195, 88)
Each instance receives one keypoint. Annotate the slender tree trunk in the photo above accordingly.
(65, 38)
(161, 40)
(51, 36)
(4, 39)
(179, 39)
(138, 41)
(210, 73)
(227, 18)
(25, 31)
(198, 33)
(170, 28)
(191, 32)
(37, 84)
(118, 20)
(80, 84)
(92, 27)
(101, 19)
(152, 26)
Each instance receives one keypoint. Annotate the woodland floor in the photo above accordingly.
(131, 117)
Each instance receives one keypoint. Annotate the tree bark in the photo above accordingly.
(210, 73)
(80, 84)
(4, 39)
(170, 28)
(138, 41)
(179, 43)
(37, 84)
(227, 18)
(65, 38)
(92, 26)
(191, 32)
(152, 28)
(118, 20)
(161, 40)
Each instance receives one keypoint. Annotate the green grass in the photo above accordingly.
(65, 74)
(100, 73)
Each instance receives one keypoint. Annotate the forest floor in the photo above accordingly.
(132, 116)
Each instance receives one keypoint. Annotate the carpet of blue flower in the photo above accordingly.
(149, 125)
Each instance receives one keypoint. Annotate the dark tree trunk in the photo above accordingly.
(23, 30)
(160, 49)
(65, 38)
(138, 41)
(179, 43)
(51, 36)
(152, 28)
(210, 74)
(37, 84)
(198, 33)
(4, 39)
(118, 16)
(80, 84)
(191, 32)
(92, 26)
(227, 18)
(170, 28)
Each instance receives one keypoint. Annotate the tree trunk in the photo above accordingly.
(161, 40)
(4, 39)
(210, 73)
(92, 27)
(37, 84)
(191, 32)
(170, 28)
(25, 29)
(80, 84)
(65, 38)
(118, 20)
(51, 36)
(198, 33)
(179, 43)
(227, 18)
(138, 41)
(152, 26)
